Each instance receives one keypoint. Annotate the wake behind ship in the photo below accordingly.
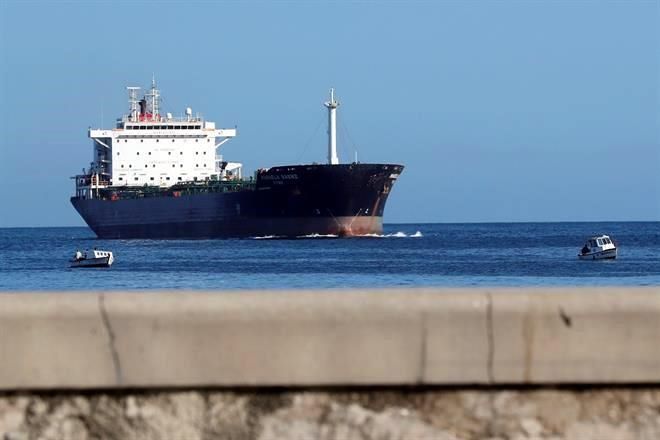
(159, 176)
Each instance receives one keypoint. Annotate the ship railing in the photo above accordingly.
(90, 181)
(98, 182)
(159, 119)
(178, 190)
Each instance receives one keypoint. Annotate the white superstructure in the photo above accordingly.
(147, 147)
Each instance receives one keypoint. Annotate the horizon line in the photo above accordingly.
(407, 223)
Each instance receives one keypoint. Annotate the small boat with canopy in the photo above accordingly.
(94, 258)
(598, 248)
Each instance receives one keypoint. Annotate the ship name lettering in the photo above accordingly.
(280, 177)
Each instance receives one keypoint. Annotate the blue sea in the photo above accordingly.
(407, 255)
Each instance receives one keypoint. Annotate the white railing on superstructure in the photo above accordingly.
(160, 119)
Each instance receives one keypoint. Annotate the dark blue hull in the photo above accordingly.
(290, 201)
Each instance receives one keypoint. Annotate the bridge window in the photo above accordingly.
(121, 178)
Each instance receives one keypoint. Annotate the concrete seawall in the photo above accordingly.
(97, 340)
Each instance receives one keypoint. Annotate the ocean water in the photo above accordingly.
(407, 255)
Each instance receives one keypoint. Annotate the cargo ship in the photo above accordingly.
(159, 176)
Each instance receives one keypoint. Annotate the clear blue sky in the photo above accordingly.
(501, 111)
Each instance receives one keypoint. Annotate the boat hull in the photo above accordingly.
(92, 262)
(609, 254)
(290, 201)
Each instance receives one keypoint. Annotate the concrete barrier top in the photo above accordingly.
(69, 340)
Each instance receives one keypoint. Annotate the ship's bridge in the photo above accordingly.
(148, 148)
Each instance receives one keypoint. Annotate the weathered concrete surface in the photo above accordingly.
(577, 336)
(388, 337)
(53, 339)
(438, 414)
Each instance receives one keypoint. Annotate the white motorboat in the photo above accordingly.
(94, 258)
(598, 248)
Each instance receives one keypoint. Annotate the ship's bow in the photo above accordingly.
(343, 200)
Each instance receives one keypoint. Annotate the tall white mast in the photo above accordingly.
(155, 97)
(332, 129)
(133, 102)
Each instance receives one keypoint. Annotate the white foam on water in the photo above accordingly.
(397, 235)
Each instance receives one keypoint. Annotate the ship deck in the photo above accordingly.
(178, 190)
